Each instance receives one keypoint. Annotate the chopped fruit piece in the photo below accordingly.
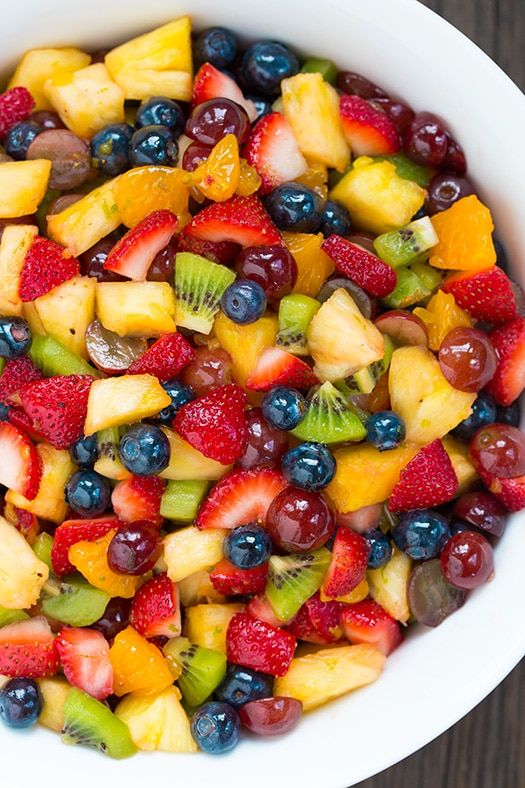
(316, 621)
(39, 65)
(465, 236)
(273, 151)
(22, 186)
(71, 532)
(241, 497)
(165, 358)
(368, 131)
(359, 593)
(157, 722)
(428, 480)
(367, 622)
(181, 500)
(54, 693)
(440, 316)
(67, 311)
(329, 418)
(486, 295)
(58, 407)
(133, 254)
(155, 610)
(20, 467)
(245, 343)
(316, 178)
(27, 524)
(217, 177)
(292, 580)
(365, 269)
(45, 267)
(143, 190)
(90, 558)
(188, 464)
(21, 580)
(249, 180)
(199, 670)
(14, 245)
(123, 400)
(329, 673)
(138, 666)
(404, 246)
(189, 550)
(89, 721)
(210, 83)
(136, 308)
(257, 645)
(197, 589)
(313, 265)
(277, 367)
(207, 625)
(511, 492)
(108, 463)
(199, 285)
(509, 379)
(465, 471)
(27, 649)
(389, 585)
(84, 656)
(230, 580)
(49, 503)
(15, 105)
(348, 565)
(295, 314)
(138, 498)
(241, 219)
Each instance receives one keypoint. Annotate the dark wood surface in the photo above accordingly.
(487, 748)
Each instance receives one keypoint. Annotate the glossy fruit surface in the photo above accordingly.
(444, 190)
(380, 548)
(115, 618)
(242, 685)
(467, 560)
(19, 138)
(92, 262)
(15, 337)
(385, 430)
(180, 395)
(244, 301)
(215, 45)
(430, 596)
(248, 546)
(110, 148)
(265, 444)
(283, 407)
(272, 267)
(310, 466)
(209, 369)
(20, 703)
(265, 64)
(212, 120)
(356, 85)
(483, 413)
(134, 549)
(154, 145)
(215, 727)
(335, 219)
(144, 450)
(467, 359)
(483, 510)
(110, 352)
(271, 716)
(84, 452)
(426, 141)
(300, 520)
(161, 111)
(295, 208)
(88, 493)
(499, 449)
(69, 155)
(421, 533)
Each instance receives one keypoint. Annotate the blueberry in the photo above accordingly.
(110, 148)
(419, 214)
(265, 64)
(180, 395)
(483, 412)
(19, 138)
(262, 106)
(310, 466)
(154, 145)
(20, 703)
(15, 337)
(88, 493)
(380, 548)
(458, 526)
(244, 301)
(510, 415)
(144, 450)
(385, 430)
(216, 45)
(215, 727)
(295, 207)
(248, 546)
(84, 452)
(335, 219)
(421, 533)
(160, 111)
(242, 685)
(283, 408)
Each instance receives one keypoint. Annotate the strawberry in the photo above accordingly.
(58, 407)
(215, 424)
(16, 104)
(368, 130)
(276, 367)
(509, 379)
(240, 497)
(20, 466)
(273, 150)
(229, 580)
(361, 266)
(17, 416)
(16, 372)
(428, 480)
(367, 622)
(210, 83)
(510, 492)
(223, 252)
(155, 610)
(242, 220)
(138, 498)
(257, 645)
(259, 607)
(486, 295)
(317, 622)
(84, 655)
(71, 532)
(134, 253)
(164, 359)
(348, 565)
(27, 649)
(25, 522)
(45, 267)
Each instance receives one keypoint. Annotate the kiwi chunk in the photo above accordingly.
(10, 616)
(292, 579)
(54, 358)
(88, 721)
(408, 169)
(329, 418)
(429, 276)
(78, 603)
(317, 65)
(409, 290)
(199, 285)
(364, 380)
(404, 246)
(108, 463)
(42, 547)
(181, 500)
(203, 669)
(295, 314)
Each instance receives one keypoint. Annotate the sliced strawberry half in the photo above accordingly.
(138, 498)
(276, 367)
(84, 655)
(361, 266)
(20, 466)
(136, 250)
(486, 295)
(25, 522)
(16, 104)
(257, 645)
(155, 610)
(16, 373)
(27, 649)
(273, 150)
(165, 358)
(45, 267)
(71, 532)
(210, 83)
(58, 407)
(509, 379)
(317, 622)
(510, 492)
(259, 607)
(368, 130)
(242, 220)
(17, 416)
(368, 622)
(241, 497)
(229, 580)
(429, 479)
(223, 252)
(348, 565)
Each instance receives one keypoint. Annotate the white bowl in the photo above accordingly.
(438, 675)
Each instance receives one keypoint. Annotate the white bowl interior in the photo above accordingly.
(438, 675)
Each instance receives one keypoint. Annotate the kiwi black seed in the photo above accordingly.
(292, 579)
(329, 418)
(199, 285)
(202, 669)
(88, 721)
(295, 314)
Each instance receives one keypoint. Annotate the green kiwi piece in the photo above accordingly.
(203, 669)
(42, 547)
(54, 358)
(78, 603)
(295, 314)
(2, 365)
(409, 290)
(329, 418)
(429, 276)
(108, 463)
(199, 285)
(326, 68)
(364, 380)
(404, 246)
(408, 169)
(11, 616)
(292, 579)
(88, 721)
(181, 500)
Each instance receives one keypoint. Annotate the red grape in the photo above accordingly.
(115, 618)
(265, 444)
(194, 155)
(271, 716)
(482, 510)
(366, 305)
(362, 520)
(300, 520)
(499, 450)
(209, 369)
(48, 120)
(273, 267)
(69, 155)
(214, 119)
(357, 85)
(92, 262)
(444, 190)
(467, 358)
(426, 141)
(365, 240)
(163, 265)
(455, 160)
(399, 113)
(467, 560)
(135, 549)
(431, 598)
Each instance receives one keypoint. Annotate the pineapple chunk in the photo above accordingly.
(311, 106)
(66, 312)
(197, 589)
(22, 186)
(206, 625)
(39, 65)
(189, 550)
(188, 464)
(86, 100)
(22, 574)
(158, 63)
(389, 585)
(317, 678)
(54, 694)
(359, 593)
(462, 464)
(136, 309)
(31, 315)
(245, 343)
(116, 401)
(50, 502)
(423, 397)
(341, 340)
(16, 240)
(157, 722)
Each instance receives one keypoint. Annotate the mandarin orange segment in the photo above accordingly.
(440, 316)
(313, 265)
(90, 558)
(316, 178)
(142, 190)
(218, 176)
(465, 236)
(249, 180)
(138, 666)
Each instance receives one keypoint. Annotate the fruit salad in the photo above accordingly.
(260, 361)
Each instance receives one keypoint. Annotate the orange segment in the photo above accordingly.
(440, 316)
(142, 190)
(138, 666)
(249, 180)
(316, 178)
(465, 236)
(90, 558)
(313, 265)
(217, 177)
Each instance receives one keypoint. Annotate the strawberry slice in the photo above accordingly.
(138, 498)
(242, 220)
(223, 252)
(27, 649)
(84, 655)
(259, 607)
(428, 480)
(210, 83)
(276, 367)
(257, 645)
(510, 492)
(368, 622)
(16, 372)
(368, 130)
(17, 416)
(240, 497)
(317, 622)
(58, 407)
(215, 424)
(273, 150)
(45, 267)
(486, 295)
(164, 359)
(155, 610)
(136, 250)
(509, 379)
(16, 104)
(20, 466)
(25, 522)
(361, 266)
(348, 565)
(229, 580)
(71, 532)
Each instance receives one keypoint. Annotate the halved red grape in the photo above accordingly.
(272, 267)
(92, 262)
(499, 450)
(300, 520)
(135, 549)
(403, 328)
(271, 716)
(111, 353)
(430, 597)
(366, 305)
(482, 510)
(265, 444)
(455, 160)
(209, 369)
(69, 156)
(362, 520)
(47, 119)
(357, 85)
(467, 560)
(210, 121)
(467, 358)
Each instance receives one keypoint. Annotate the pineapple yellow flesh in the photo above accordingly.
(389, 585)
(197, 589)
(116, 401)
(189, 550)
(67, 310)
(189, 464)
(206, 625)
(359, 593)
(462, 464)
(50, 502)
(39, 65)
(136, 308)
(157, 722)
(22, 574)
(22, 186)
(245, 343)
(16, 240)
(31, 315)
(54, 693)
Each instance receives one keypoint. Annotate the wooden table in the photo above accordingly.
(487, 748)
